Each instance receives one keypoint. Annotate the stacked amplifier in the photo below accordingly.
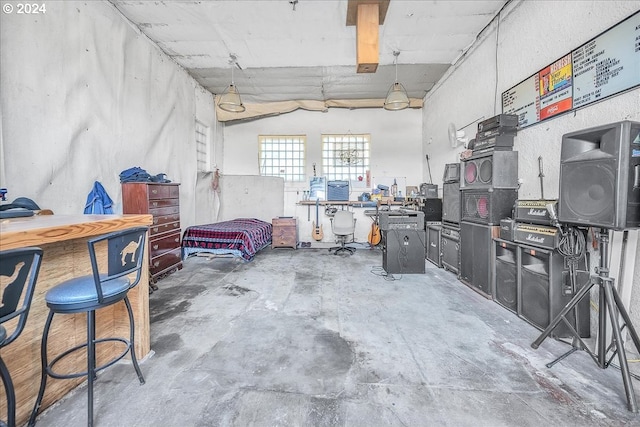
(448, 235)
(488, 191)
(531, 277)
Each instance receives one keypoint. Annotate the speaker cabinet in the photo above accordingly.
(403, 251)
(498, 169)
(450, 248)
(545, 289)
(475, 255)
(432, 209)
(600, 177)
(433, 244)
(487, 206)
(505, 277)
(451, 202)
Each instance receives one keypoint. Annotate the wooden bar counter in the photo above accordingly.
(63, 239)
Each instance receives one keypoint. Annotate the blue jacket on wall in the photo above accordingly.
(98, 201)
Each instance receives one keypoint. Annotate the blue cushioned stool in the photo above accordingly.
(107, 285)
(21, 267)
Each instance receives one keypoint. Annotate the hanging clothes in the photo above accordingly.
(98, 201)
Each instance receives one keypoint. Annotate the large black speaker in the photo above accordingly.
(487, 206)
(498, 169)
(545, 289)
(475, 255)
(403, 251)
(433, 244)
(600, 176)
(451, 202)
(432, 209)
(505, 277)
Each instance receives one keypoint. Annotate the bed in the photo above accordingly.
(241, 237)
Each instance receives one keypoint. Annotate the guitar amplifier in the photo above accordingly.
(535, 211)
(537, 235)
(338, 190)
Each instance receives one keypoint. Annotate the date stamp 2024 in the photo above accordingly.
(24, 8)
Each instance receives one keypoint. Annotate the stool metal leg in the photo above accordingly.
(11, 396)
(91, 363)
(43, 379)
(132, 345)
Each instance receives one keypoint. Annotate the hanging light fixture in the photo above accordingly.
(397, 98)
(230, 100)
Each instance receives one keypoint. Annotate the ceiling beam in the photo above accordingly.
(367, 38)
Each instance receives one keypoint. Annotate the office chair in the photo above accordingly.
(109, 284)
(21, 267)
(343, 225)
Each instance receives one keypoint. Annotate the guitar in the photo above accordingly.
(374, 234)
(316, 231)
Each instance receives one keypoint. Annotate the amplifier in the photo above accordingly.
(504, 142)
(500, 130)
(338, 190)
(535, 211)
(397, 220)
(430, 191)
(537, 235)
(499, 120)
(507, 229)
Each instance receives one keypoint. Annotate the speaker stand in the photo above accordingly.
(609, 301)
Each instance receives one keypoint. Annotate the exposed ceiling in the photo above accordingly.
(303, 49)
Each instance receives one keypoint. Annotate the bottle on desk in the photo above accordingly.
(394, 188)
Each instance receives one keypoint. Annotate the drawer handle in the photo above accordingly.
(155, 247)
(155, 220)
(177, 239)
(156, 264)
(155, 204)
(154, 191)
(155, 229)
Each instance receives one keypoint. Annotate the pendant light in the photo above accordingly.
(230, 100)
(397, 98)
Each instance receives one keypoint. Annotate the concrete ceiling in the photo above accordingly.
(303, 50)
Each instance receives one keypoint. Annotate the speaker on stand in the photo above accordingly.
(600, 177)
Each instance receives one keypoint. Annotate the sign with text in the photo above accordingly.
(604, 66)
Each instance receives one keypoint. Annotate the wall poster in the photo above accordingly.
(604, 66)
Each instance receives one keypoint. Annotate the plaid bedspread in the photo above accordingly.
(243, 237)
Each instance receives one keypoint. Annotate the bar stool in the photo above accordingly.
(21, 266)
(108, 285)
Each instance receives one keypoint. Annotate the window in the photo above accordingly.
(202, 147)
(283, 155)
(345, 156)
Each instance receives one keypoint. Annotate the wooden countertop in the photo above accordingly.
(41, 229)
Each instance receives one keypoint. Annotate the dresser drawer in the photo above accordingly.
(164, 243)
(283, 222)
(165, 262)
(163, 203)
(163, 191)
(163, 228)
(169, 210)
(163, 219)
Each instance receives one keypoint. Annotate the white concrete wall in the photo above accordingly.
(85, 96)
(395, 151)
(531, 35)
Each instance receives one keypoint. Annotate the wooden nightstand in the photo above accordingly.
(285, 233)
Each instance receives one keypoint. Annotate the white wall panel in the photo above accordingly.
(85, 96)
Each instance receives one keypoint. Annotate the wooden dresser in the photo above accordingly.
(284, 233)
(163, 202)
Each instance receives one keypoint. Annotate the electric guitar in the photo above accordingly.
(316, 231)
(374, 234)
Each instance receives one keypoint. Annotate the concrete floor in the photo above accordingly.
(306, 338)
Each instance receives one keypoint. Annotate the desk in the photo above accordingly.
(63, 239)
(343, 203)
